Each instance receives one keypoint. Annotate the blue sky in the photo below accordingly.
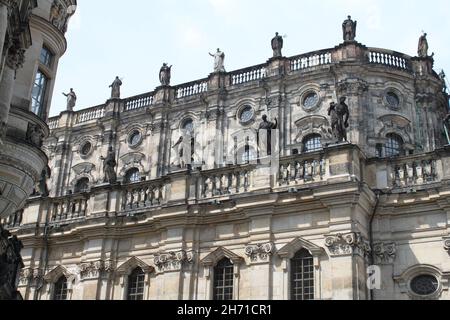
(133, 38)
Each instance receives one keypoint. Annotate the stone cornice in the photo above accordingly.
(55, 39)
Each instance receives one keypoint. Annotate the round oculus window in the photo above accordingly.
(247, 114)
(86, 149)
(310, 100)
(393, 100)
(135, 138)
(424, 285)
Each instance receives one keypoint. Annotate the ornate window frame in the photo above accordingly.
(404, 281)
(82, 143)
(243, 104)
(52, 278)
(124, 271)
(130, 134)
(307, 90)
(211, 260)
(398, 93)
(288, 252)
(83, 170)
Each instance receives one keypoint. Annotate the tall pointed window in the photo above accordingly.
(223, 280)
(136, 285)
(60, 292)
(302, 276)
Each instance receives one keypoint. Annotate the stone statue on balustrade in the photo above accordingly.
(115, 88)
(422, 50)
(442, 76)
(165, 74)
(42, 186)
(184, 156)
(71, 99)
(109, 165)
(277, 45)
(349, 29)
(339, 116)
(265, 132)
(219, 60)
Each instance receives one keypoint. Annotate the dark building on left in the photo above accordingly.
(32, 40)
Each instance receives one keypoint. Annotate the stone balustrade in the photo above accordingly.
(143, 195)
(90, 114)
(248, 75)
(225, 182)
(415, 171)
(300, 170)
(389, 59)
(191, 89)
(309, 60)
(68, 208)
(53, 123)
(138, 102)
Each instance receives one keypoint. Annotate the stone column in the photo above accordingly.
(3, 27)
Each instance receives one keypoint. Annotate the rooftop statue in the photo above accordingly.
(349, 29)
(422, 50)
(115, 91)
(71, 99)
(165, 74)
(277, 45)
(219, 58)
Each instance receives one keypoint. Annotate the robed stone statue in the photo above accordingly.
(115, 88)
(219, 59)
(165, 74)
(349, 29)
(264, 136)
(71, 99)
(422, 50)
(277, 45)
(339, 116)
(109, 165)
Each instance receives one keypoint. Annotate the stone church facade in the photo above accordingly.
(195, 207)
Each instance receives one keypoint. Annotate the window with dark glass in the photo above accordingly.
(311, 100)
(46, 57)
(60, 289)
(247, 115)
(393, 146)
(82, 185)
(424, 285)
(133, 176)
(393, 100)
(188, 126)
(312, 143)
(38, 93)
(302, 276)
(136, 285)
(135, 138)
(86, 148)
(223, 280)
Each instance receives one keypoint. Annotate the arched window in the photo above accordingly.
(223, 280)
(302, 276)
(393, 146)
(60, 292)
(82, 185)
(312, 143)
(133, 176)
(136, 285)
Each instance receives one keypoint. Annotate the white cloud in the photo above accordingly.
(228, 9)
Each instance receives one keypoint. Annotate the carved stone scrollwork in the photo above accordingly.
(385, 253)
(259, 252)
(447, 244)
(93, 270)
(16, 56)
(173, 260)
(35, 135)
(347, 244)
(352, 87)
